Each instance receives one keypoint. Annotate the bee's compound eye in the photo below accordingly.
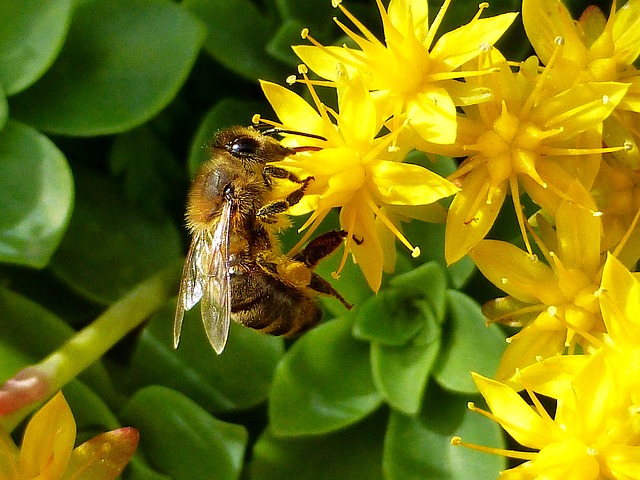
(243, 146)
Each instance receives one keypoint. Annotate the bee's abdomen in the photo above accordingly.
(263, 303)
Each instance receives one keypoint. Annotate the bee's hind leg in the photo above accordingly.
(316, 250)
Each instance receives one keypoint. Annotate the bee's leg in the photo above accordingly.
(320, 247)
(271, 171)
(280, 206)
(320, 285)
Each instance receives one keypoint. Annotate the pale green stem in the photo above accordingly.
(90, 343)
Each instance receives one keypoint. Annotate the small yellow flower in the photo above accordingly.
(527, 137)
(591, 436)
(598, 49)
(411, 75)
(557, 304)
(355, 171)
(47, 451)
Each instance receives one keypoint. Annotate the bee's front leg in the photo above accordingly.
(280, 206)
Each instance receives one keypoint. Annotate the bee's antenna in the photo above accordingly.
(276, 131)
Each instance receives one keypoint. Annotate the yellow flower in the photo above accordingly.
(557, 304)
(617, 194)
(47, 451)
(354, 170)
(410, 75)
(591, 436)
(527, 137)
(595, 49)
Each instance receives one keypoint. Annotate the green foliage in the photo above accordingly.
(106, 107)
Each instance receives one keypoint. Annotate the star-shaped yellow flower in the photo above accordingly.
(354, 170)
(591, 436)
(47, 451)
(557, 303)
(411, 75)
(596, 48)
(525, 136)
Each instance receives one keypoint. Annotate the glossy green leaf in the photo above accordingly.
(110, 246)
(4, 108)
(123, 61)
(280, 45)
(314, 15)
(428, 281)
(225, 113)
(354, 453)
(181, 439)
(389, 318)
(237, 34)
(152, 175)
(90, 411)
(418, 447)
(29, 332)
(401, 373)
(469, 345)
(323, 383)
(36, 196)
(237, 379)
(31, 35)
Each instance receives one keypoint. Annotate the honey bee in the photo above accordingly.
(234, 265)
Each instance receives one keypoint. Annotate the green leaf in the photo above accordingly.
(239, 378)
(36, 196)
(323, 383)
(152, 174)
(469, 346)
(110, 246)
(123, 62)
(29, 333)
(4, 108)
(225, 113)
(401, 373)
(427, 281)
(31, 35)
(237, 32)
(389, 318)
(418, 447)
(351, 454)
(280, 45)
(181, 439)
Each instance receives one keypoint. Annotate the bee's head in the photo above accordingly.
(249, 145)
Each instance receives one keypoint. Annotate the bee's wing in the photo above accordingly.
(191, 285)
(216, 297)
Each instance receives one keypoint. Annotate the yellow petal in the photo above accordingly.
(103, 457)
(8, 457)
(323, 61)
(626, 32)
(408, 184)
(432, 115)
(521, 422)
(410, 16)
(545, 21)
(369, 254)
(470, 216)
(567, 460)
(465, 43)
(579, 108)
(48, 440)
(620, 303)
(553, 377)
(293, 110)
(516, 272)
(358, 121)
(527, 348)
(579, 231)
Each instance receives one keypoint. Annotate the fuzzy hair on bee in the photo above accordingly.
(234, 266)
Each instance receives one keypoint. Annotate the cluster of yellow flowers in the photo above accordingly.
(561, 126)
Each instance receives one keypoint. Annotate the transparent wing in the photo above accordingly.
(216, 296)
(191, 285)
